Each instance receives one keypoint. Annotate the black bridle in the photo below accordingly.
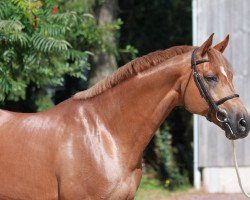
(221, 115)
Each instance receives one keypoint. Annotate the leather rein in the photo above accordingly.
(200, 83)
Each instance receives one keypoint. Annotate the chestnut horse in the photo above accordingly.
(90, 146)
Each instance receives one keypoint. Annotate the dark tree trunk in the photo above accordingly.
(104, 64)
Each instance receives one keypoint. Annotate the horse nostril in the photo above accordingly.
(242, 125)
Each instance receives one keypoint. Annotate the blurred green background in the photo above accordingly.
(49, 50)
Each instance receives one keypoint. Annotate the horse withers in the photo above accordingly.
(90, 146)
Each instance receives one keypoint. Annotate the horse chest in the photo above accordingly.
(126, 186)
(101, 186)
(96, 175)
(121, 181)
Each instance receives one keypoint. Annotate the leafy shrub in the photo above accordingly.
(41, 42)
(170, 172)
(34, 47)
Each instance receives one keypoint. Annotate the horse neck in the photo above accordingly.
(133, 110)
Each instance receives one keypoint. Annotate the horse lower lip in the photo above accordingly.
(231, 136)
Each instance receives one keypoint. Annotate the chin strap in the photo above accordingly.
(237, 171)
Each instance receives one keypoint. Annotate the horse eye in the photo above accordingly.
(211, 78)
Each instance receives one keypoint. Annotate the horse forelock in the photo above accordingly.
(132, 69)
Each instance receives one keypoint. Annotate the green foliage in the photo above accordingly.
(149, 183)
(90, 34)
(171, 174)
(43, 102)
(34, 48)
(41, 42)
(128, 52)
(152, 189)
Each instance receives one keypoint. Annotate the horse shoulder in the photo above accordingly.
(89, 162)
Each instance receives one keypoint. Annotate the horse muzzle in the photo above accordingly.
(235, 126)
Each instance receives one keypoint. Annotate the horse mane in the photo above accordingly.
(131, 69)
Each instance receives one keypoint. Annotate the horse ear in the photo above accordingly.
(222, 45)
(206, 45)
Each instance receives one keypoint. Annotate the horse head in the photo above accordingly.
(210, 91)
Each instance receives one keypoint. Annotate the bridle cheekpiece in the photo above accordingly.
(221, 115)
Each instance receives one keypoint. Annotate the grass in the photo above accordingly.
(150, 189)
